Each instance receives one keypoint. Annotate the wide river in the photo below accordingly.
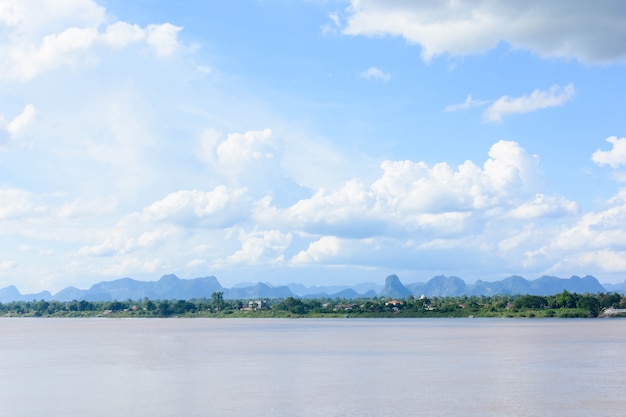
(310, 367)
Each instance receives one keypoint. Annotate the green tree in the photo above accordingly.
(183, 307)
(592, 304)
(217, 300)
(165, 309)
(530, 301)
(610, 300)
(293, 305)
(566, 299)
(117, 306)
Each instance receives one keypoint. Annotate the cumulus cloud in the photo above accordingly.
(172, 219)
(412, 207)
(216, 208)
(579, 30)
(43, 36)
(163, 38)
(375, 73)
(252, 159)
(594, 240)
(614, 157)
(436, 200)
(537, 100)
(319, 251)
(545, 206)
(240, 149)
(266, 246)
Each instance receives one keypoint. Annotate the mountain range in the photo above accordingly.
(170, 287)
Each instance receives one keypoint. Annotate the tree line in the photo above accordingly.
(564, 304)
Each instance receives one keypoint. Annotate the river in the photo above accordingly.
(310, 367)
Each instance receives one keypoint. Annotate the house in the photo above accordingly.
(258, 305)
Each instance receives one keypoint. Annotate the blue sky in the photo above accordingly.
(311, 141)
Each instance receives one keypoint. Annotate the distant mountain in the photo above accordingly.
(509, 286)
(443, 286)
(260, 290)
(332, 290)
(545, 285)
(394, 288)
(548, 285)
(621, 288)
(11, 293)
(170, 287)
(69, 294)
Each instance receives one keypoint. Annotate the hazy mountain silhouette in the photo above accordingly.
(170, 287)
(260, 290)
(394, 288)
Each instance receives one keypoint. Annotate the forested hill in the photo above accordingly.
(170, 287)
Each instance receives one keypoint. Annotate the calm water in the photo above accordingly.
(338, 367)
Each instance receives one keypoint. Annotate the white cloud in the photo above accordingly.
(172, 220)
(413, 213)
(126, 239)
(608, 260)
(467, 104)
(44, 36)
(18, 203)
(412, 207)
(319, 251)
(19, 125)
(538, 99)
(216, 208)
(240, 149)
(82, 208)
(375, 73)
(544, 206)
(253, 159)
(594, 240)
(333, 27)
(437, 200)
(580, 30)
(614, 157)
(121, 34)
(51, 217)
(163, 38)
(266, 246)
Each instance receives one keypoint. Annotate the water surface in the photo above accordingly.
(310, 367)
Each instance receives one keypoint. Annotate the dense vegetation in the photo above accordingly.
(565, 304)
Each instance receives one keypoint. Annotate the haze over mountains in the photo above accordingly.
(170, 287)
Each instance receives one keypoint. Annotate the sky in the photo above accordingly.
(311, 141)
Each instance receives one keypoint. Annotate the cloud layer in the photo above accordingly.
(412, 207)
(126, 151)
